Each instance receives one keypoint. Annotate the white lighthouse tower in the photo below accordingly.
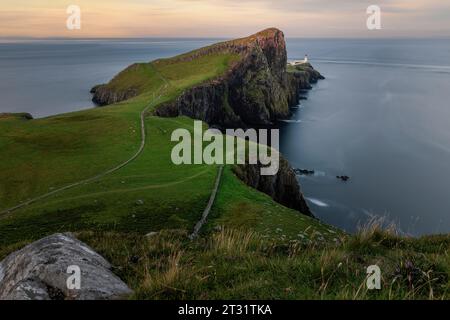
(299, 62)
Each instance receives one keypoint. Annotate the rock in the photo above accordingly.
(103, 95)
(39, 272)
(304, 172)
(343, 178)
(282, 187)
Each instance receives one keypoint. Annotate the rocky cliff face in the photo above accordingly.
(257, 91)
(103, 96)
(282, 187)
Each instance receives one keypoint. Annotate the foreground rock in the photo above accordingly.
(39, 272)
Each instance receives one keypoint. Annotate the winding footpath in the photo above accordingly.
(101, 175)
(208, 208)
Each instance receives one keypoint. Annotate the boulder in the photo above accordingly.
(44, 270)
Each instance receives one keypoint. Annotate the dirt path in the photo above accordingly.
(207, 210)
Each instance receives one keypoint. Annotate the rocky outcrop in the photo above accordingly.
(103, 95)
(39, 272)
(301, 78)
(255, 92)
(282, 187)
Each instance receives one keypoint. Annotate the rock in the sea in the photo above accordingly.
(304, 172)
(40, 272)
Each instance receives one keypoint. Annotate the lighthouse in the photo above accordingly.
(306, 59)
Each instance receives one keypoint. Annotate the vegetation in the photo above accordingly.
(239, 264)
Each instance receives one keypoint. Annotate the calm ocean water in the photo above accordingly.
(382, 116)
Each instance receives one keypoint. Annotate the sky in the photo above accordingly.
(224, 18)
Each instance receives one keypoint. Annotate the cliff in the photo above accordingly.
(103, 96)
(282, 187)
(257, 91)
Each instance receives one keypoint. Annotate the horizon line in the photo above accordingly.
(221, 38)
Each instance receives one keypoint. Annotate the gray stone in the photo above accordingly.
(39, 272)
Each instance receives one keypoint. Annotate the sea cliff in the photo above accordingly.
(257, 91)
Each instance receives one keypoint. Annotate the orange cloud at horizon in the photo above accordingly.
(222, 18)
